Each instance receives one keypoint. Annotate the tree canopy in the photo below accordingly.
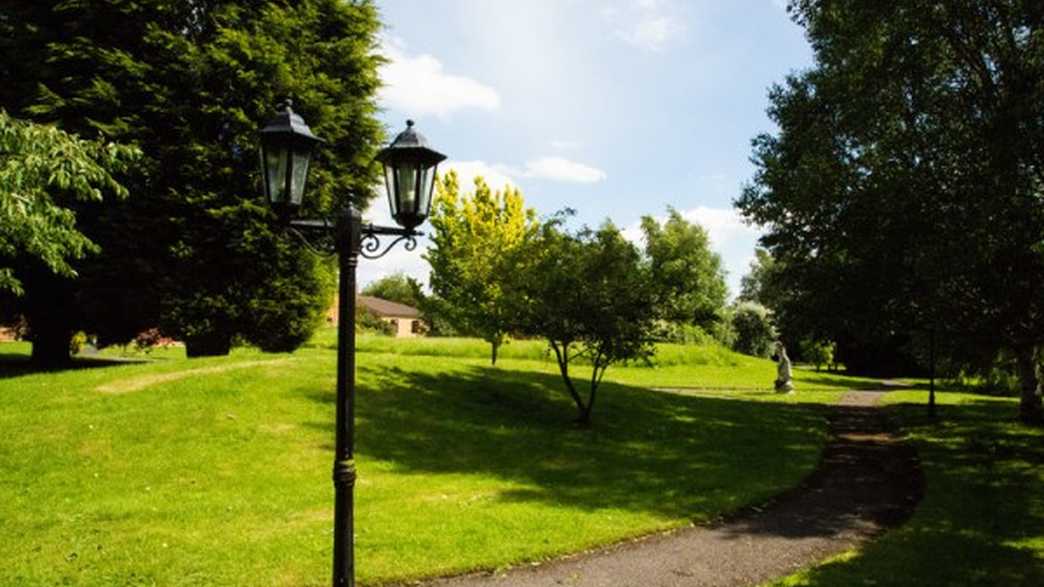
(195, 249)
(591, 296)
(397, 287)
(42, 167)
(903, 191)
(689, 279)
(474, 241)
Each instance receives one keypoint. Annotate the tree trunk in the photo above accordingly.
(50, 344)
(494, 346)
(563, 366)
(931, 384)
(1030, 410)
(49, 310)
(210, 345)
(584, 419)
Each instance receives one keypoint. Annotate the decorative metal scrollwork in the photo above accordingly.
(370, 244)
(321, 237)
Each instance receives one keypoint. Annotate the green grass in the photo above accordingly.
(982, 518)
(216, 471)
(534, 350)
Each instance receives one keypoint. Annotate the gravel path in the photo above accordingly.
(866, 482)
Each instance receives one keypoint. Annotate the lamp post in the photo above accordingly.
(409, 173)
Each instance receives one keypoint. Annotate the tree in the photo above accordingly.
(590, 295)
(904, 191)
(190, 83)
(759, 284)
(474, 242)
(397, 287)
(817, 352)
(42, 167)
(754, 331)
(688, 275)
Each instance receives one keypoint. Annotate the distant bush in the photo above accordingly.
(817, 352)
(755, 333)
(367, 322)
(77, 342)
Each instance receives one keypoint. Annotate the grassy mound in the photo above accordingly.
(217, 471)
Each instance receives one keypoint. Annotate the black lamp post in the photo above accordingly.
(409, 171)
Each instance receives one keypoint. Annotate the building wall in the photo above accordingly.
(403, 327)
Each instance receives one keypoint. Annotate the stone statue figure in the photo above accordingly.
(784, 378)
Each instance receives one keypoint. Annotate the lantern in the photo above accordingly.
(286, 151)
(409, 176)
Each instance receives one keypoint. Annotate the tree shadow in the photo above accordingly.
(19, 364)
(673, 455)
(982, 513)
(836, 381)
(866, 481)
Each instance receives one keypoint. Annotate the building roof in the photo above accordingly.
(386, 308)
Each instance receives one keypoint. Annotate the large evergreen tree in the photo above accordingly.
(190, 83)
(904, 191)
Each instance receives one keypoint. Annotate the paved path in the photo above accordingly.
(866, 482)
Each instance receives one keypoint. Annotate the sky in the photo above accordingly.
(616, 108)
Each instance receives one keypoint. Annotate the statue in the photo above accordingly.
(784, 378)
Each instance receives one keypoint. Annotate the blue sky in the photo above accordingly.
(617, 108)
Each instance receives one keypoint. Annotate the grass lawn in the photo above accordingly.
(982, 518)
(217, 471)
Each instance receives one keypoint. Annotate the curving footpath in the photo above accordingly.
(866, 482)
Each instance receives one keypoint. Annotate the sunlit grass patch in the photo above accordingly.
(219, 474)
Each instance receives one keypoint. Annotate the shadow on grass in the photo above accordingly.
(982, 519)
(667, 454)
(18, 364)
(833, 380)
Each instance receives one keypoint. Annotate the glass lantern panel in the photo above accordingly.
(276, 160)
(389, 187)
(299, 173)
(425, 185)
(406, 182)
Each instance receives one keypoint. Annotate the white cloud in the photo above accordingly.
(498, 175)
(650, 25)
(417, 85)
(467, 171)
(560, 169)
(724, 225)
(729, 235)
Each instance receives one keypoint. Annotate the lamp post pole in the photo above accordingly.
(409, 173)
(352, 239)
(347, 244)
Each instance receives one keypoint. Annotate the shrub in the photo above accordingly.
(817, 352)
(755, 333)
(366, 321)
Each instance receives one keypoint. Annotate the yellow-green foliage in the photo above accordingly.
(473, 238)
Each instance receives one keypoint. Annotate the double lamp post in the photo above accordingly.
(409, 175)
